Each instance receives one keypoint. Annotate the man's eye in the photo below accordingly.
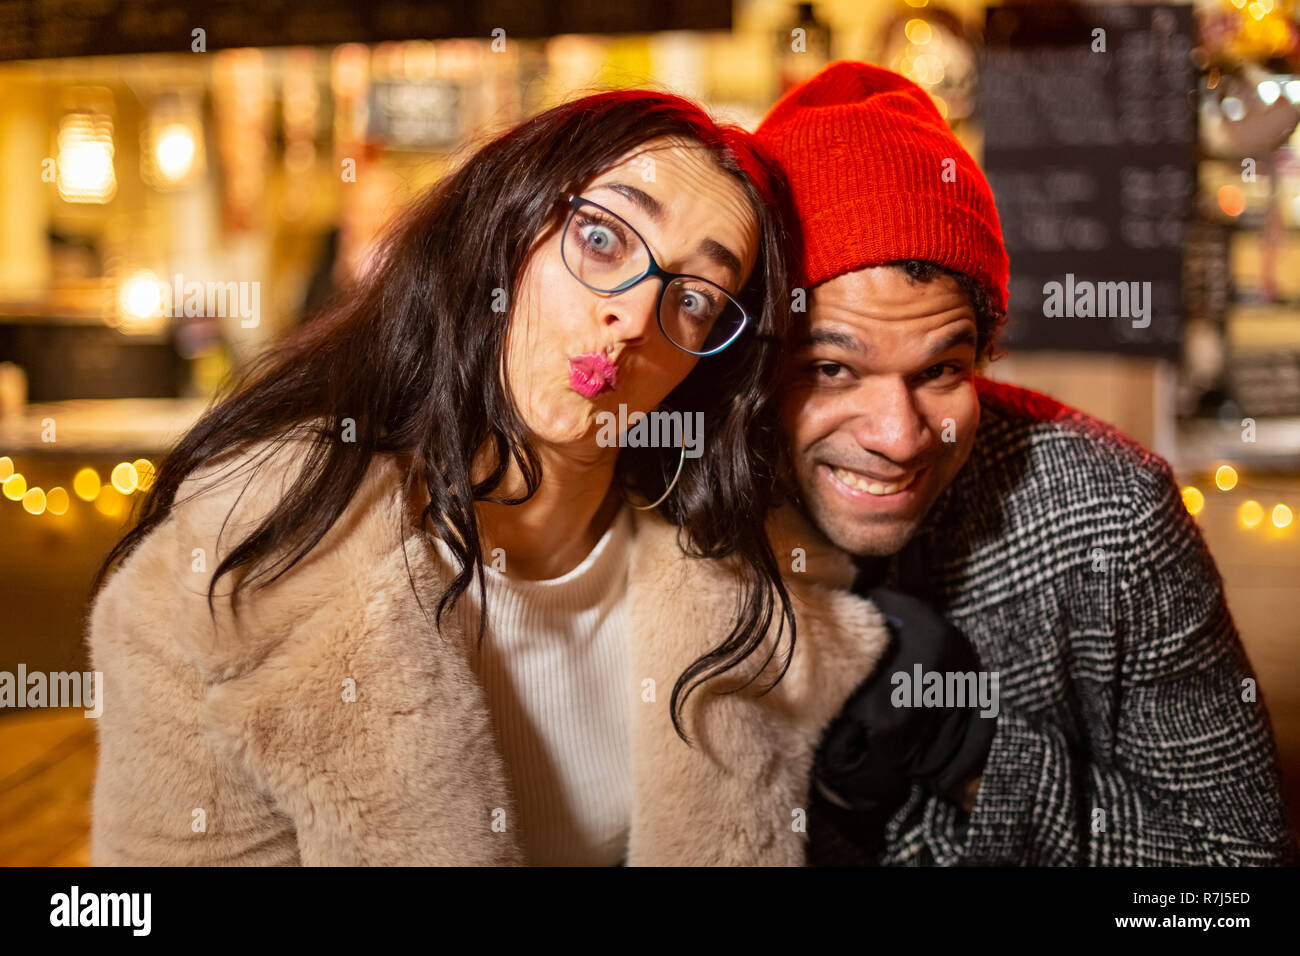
(935, 372)
(827, 369)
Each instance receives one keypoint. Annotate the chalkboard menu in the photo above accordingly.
(34, 29)
(1089, 144)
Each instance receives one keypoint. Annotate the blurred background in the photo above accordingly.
(181, 183)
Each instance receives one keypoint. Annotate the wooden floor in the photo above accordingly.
(47, 767)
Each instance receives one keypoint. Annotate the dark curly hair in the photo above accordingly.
(988, 320)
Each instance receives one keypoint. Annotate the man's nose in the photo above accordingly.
(888, 423)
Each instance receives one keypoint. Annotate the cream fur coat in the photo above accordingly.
(233, 743)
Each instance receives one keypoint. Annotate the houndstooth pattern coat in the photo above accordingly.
(1125, 735)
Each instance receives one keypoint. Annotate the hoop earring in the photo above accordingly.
(672, 484)
(681, 460)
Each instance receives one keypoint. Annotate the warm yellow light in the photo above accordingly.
(6, 467)
(1279, 34)
(1251, 513)
(109, 502)
(56, 501)
(145, 472)
(124, 478)
(1226, 477)
(142, 295)
(1281, 516)
(928, 69)
(174, 151)
(922, 3)
(85, 162)
(14, 487)
(34, 501)
(918, 32)
(86, 484)
(1193, 500)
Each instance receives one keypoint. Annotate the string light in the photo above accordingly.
(56, 501)
(144, 473)
(109, 502)
(86, 484)
(15, 486)
(126, 478)
(1250, 513)
(34, 501)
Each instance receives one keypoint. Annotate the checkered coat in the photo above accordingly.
(1127, 733)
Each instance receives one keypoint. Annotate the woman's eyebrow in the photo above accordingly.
(720, 254)
(711, 249)
(647, 203)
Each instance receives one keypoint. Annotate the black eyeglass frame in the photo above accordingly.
(653, 270)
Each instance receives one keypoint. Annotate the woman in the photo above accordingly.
(448, 424)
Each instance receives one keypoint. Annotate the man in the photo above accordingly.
(1111, 716)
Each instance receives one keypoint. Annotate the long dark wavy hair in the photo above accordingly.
(411, 354)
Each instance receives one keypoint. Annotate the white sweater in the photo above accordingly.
(554, 666)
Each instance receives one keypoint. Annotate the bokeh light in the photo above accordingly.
(86, 484)
(56, 501)
(124, 478)
(14, 487)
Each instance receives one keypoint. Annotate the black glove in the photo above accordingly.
(874, 751)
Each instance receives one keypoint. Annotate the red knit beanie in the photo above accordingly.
(878, 177)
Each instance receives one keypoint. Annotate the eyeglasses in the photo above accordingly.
(607, 255)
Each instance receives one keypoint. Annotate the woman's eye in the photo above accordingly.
(598, 238)
(698, 305)
(827, 369)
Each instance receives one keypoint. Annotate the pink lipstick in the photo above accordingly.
(591, 374)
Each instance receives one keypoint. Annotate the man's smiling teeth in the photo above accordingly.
(858, 483)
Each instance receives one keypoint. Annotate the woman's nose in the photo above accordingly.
(632, 311)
